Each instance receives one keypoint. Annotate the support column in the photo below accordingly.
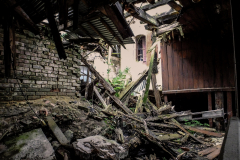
(219, 104)
(165, 98)
(210, 108)
(229, 105)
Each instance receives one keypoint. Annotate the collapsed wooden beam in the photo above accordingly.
(105, 84)
(112, 32)
(54, 30)
(20, 12)
(141, 15)
(174, 5)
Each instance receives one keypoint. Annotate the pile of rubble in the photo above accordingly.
(93, 132)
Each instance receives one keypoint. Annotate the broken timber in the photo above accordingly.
(54, 29)
(105, 84)
(57, 131)
(100, 97)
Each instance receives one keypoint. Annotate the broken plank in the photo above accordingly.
(105, 84)
(162, 117)
(174, 122)
(139, 107)
(100, 97)
(167, 137)
(54, 30)
(164, 108)
(209, 150)
(161, 125)
(156, 91)
(204, 131)
(120, 104)
(89, 89)
(214, 154)
(57, 131)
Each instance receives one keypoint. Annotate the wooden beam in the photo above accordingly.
(100, 97)
(21, 13)
(199, 90)
(95, 30)
(112, 32)
(219, 104)
(75, 14)
(156, 91)
(54, 30)
(210, 108)
(114, 12)
(141, 15)
(174, 5)
(7, 50)
(229, 105)
(165, 99)
(105, 84)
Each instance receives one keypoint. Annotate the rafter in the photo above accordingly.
(112, 32)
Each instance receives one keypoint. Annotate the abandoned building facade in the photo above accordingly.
(118, 79)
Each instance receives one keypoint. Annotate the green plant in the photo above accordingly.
(132, 109)
(195, 123)
(118, 82)
(192, 132)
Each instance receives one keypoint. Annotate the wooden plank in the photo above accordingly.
(185, 63)
(54, 30)
(206, 74)
(105, 84)
(57, 131)
(165, 98)
(198, 90)
(149, 77)
(156, 91)
(218, 78)
(190, 63)
(208, 150)
(219, 104)
(200, 62)
(195, 64)
(120, 104)
(164, 63)
(100, 97)
(211, 64)
(214, 154)
(180, 66)
(210, 108)
(229, 105)
(20, 12)
(175, 65)
(7, 50)
(204, 131)
(170, 65)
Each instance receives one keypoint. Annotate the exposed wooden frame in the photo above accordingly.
(112, 32)
(54, 30)
(210, 108)
(199, 90)
(20, 12)
(95, 29)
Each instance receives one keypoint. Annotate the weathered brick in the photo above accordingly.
(6, 85)
(52, 93)
(32, 89)
(52, 75)
(35, 70)
(12, 81)
(41, 93)
(25, 65)
(51, 82)
(44, 90)
(29, 93)
(37, 67)
(18, 98)
(34, 97)
(41, 82)
(62, 93)
(35, 78)
(70, 94)
(29, 81)
(48, 68)
(46, 78)
(63, 73)
(22, 68)
(36, 58)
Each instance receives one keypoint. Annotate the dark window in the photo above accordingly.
(84, 72)
(141, 48)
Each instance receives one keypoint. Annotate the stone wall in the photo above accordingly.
(39, 71)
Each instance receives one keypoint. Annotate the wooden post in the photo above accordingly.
(109, 59)
(229, 105)
(219, 104)
(210, 108)
(165, 99)
(54, 30)
(156, 92)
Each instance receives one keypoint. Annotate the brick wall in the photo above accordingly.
(39, 70)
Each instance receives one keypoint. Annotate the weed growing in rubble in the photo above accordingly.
(118, 82)
(195, 123)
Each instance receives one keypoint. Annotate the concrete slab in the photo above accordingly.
(30, 145)
(57, 131)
